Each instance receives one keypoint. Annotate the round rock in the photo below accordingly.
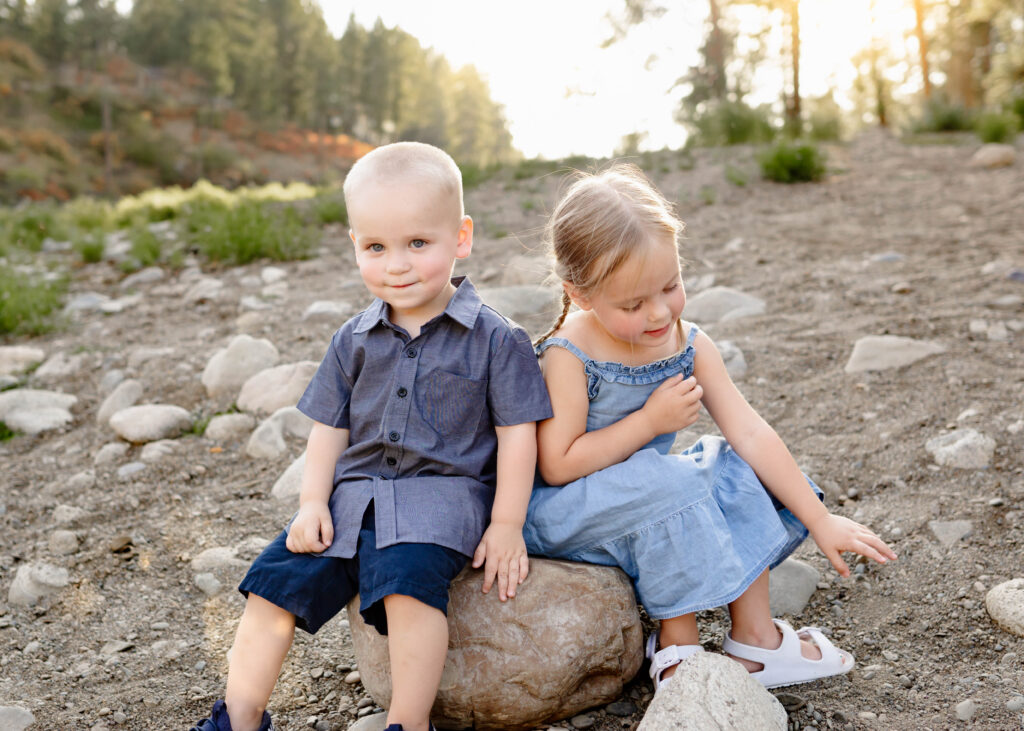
(963, 448)
(275, 388)
(881, 352)
(722, 303)
(791, 585)
(232, 366)
(17, 358)
(1005, 604)
(570, 640)
(150, 422)
(127, 393)
(229, 427)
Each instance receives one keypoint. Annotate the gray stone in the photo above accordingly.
(143, 354)
(887, 257)
(38, 420)
(735, 363)
(13, 718)
(289, 484)
(150, 422)
(721, 303)
(159, 450)
(208, 584)
(710, 692)
(110, 453)
(963, 448)
(127, 393)
(232, 366)
(993, 155)
(33, 411)
(1015, 704)
(950, 532)
(277, 290)
(128, 471)
(217, 559)
(17, 358)
(251, 304)
(374, 722)
(206, 289)
(86, 302)
(791, 585)
(120, 304)
(965, 710)
(1005, 604)
(67, 514)
(63, 542)
(82, 481)
(570, 639)
(881, 352)
(148, 275)
(269, 275)
(229, 427)
(267, 442)
(328, 311)
(58, 366)
(34, 581)
(533, 307)
(273, 388)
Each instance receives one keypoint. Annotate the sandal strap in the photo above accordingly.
(829, 652)
(669, 657)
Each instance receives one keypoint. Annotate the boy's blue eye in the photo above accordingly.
(418, 243)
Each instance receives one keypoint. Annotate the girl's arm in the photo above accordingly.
(566, 451)
(758, 444)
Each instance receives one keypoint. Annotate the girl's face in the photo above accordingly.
(640, 302)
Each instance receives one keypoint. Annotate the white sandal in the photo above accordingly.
(666, 657)
(786, 665)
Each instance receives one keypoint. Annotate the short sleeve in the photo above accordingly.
(516, 392)
(326, 399)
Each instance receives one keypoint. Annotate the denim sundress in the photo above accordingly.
(692, 530)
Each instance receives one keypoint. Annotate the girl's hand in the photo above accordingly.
(312, 530)
(673, 405)
(835, 534)
(503, 550)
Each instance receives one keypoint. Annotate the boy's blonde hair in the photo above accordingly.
(404, 161)
(602, 220)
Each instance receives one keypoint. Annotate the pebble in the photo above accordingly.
(965, 710)
(364, 702)
(1015, 704)
(621, 708)
(791, 701)
(890, 655)
(867, 716)
(353, 677)
(208, 584)
(128, 471)
(316, 673)
(63, 542)
(364, 711)
(582, 721)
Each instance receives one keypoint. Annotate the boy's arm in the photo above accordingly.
(502, 550)
(313, 529)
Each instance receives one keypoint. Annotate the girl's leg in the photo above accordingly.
(418, 646)
(261, 643)
(752, 623)
(681, 630)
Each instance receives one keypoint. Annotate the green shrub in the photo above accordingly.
(27, 226)
(25, 177)
(146, 246)
(216, 158)
(735, 175)
(6, 433)
(329, 207)
(788, 162)
(90, 247)
(28, 300)
(533, 168)
(1016, 105)
(941, 116)
(732, 123)
(997, 127)
(251, 230)
(473, 174)
(88, 214)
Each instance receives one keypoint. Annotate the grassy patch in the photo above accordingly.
(732, 123)
(6, 433)
(708, 195)
(250, 230)
(997, 127)
(792, 163)
(27, 300)
(735, 175)
(329, 207)
(941, 116)
(90, 247)
(26, 227)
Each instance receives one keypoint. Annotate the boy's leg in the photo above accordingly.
(418, 646)
(261, 643)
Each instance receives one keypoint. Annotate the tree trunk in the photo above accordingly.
(108, 183)
(795, 23)
(922, 45)
(716, 52)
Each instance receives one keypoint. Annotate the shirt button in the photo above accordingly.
(411, 352)
(402, 393)
(392, 461)
(394, 436)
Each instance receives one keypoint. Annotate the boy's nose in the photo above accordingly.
(397, 264)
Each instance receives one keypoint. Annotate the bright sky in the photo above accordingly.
(565, 95)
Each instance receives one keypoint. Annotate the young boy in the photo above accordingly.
(425, 408)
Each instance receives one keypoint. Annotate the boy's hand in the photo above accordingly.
(504, 551)
(835, 534)
(673, 405)
(312, 530)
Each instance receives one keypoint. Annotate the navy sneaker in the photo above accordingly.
(219, 721)
(398, 727)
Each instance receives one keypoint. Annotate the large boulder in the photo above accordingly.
(275, 388)
(569, 640)
(232, 366)
(710, 692)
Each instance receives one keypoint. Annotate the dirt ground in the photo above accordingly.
(918, 627)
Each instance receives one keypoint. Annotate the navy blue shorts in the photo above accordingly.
(315, 588)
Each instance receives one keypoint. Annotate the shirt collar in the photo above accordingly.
(463, 307)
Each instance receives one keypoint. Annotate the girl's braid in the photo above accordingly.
(566, 304)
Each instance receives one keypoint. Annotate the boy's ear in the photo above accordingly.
(465, 241)
(578, 298)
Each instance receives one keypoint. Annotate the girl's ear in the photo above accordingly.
(578, 298)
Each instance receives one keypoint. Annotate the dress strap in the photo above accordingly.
(567, 345)
(691, 336)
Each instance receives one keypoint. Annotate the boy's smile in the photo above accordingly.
(407, 237)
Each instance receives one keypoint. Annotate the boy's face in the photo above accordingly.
(407, 237)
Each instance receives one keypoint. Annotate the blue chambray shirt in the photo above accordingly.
(421, 414)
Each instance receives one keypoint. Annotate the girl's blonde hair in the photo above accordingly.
(601, 220)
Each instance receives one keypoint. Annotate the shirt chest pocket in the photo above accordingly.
(452, 404)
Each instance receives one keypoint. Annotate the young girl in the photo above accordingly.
(695, 530)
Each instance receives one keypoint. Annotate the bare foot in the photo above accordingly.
(807, 649)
